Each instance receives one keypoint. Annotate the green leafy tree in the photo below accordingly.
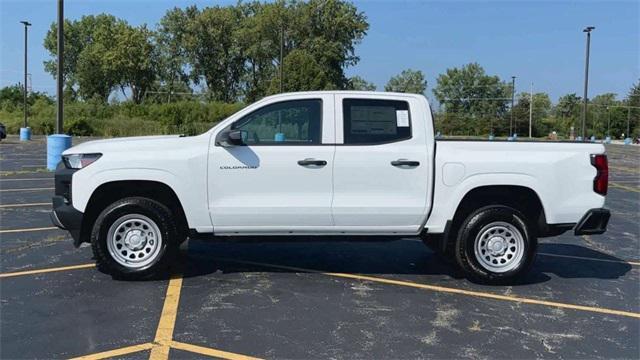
(102, 52)
(214, 53)
(474, 103)
(260, 35)
(408, 81)
(633, 115)
(133, 59)
(541, 124)
(358, 83)
(303, 74)
(170, 53)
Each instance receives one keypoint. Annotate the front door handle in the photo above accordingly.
(309, 161)
(405, 162)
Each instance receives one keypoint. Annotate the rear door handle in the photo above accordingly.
(405, 162)
(309, 161)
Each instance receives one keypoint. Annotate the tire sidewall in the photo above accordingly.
(465, 243)
(155, 211)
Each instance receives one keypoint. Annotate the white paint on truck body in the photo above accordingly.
(262, 190)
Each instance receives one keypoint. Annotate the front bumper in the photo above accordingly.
(64, 215)
(593, 222)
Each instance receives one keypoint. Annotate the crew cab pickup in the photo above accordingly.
(332, 163)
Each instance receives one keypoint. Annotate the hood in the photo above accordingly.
(123, 144)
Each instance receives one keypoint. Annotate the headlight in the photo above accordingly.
(79, 161)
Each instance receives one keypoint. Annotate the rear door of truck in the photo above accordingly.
(382, 164)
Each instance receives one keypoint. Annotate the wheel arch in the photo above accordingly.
(111, 191)
(521, 198)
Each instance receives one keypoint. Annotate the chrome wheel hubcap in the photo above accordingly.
(134, 241)
(499, 247)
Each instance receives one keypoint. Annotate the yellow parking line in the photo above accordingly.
(28, 229)
(23, 205)
(47, 270)
(29, 189)
(116, 352)
(210, 352)
(629, 188)
(634, 263)
(453, 290)
(164, 333)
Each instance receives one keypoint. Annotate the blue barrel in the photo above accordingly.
(25, 134)
(56, 144)
(279, 137)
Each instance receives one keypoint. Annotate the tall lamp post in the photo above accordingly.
(587, 30)
(513, 100)
(58, 142)
(25, 132)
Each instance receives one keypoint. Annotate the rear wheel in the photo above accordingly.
(134, 238)
(495, 245)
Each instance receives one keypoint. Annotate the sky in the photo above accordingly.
(539, 42)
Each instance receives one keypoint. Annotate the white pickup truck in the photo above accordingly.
(333, 163)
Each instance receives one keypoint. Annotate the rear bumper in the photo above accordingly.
(593, 222)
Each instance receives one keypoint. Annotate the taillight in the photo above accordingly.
(601, 181)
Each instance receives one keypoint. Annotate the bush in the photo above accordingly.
(80, 127)
(94, 118)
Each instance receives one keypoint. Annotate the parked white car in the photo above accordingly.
(312, 164)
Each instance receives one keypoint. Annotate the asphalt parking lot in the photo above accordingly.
(367, 300)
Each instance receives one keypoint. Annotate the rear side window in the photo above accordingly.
(375, 121)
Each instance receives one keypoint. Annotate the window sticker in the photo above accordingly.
(402, 118)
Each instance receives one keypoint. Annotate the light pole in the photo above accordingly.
(513, 100)
(26, 25)
(58, 142)
(530, 109)
(587, 30)
(60, 71)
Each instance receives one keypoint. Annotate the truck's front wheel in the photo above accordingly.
(495, 245)
(134, 238)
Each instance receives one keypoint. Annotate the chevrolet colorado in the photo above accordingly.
(333, 163)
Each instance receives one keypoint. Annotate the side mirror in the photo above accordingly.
(229, 138)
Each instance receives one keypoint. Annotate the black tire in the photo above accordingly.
(163, 254)
(488, 222)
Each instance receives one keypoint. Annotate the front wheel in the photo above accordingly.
(134, 238)
(495, 245)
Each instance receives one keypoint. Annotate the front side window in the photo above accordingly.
(297, 122)
(375, 121)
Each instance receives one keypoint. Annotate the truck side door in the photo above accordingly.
(280, 181)
(382, 165)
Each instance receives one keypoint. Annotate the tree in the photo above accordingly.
(133, 59)
(473, 101)
(358, 83)
(408, 81)
(540, 124)
(328, 30)
(102, 52)
(169, 51)
(633, 100)
(214, 53)
(303, 74)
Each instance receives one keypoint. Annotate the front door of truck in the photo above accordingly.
(381, 165)
(280, 180)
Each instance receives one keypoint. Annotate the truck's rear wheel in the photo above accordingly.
(494, 245)
(134, 238)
